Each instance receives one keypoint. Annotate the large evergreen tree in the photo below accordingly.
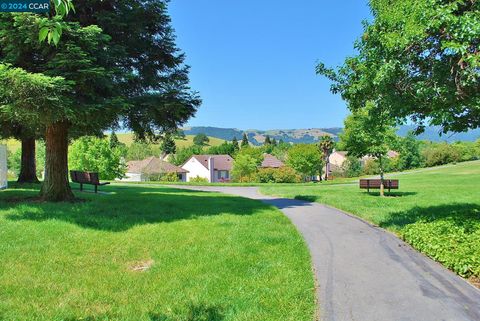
(245, 141)
(120, 62)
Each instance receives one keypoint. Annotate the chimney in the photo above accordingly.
(211, 168)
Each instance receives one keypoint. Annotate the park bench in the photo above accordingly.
(375, 184)
(90, 178)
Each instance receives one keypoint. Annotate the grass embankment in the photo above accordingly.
(151, 253)
(127, 138)
(436, 210)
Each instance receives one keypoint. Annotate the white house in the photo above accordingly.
(214, 168)
(3, 167)
(141, 171)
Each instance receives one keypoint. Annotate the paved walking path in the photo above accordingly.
(367, 274)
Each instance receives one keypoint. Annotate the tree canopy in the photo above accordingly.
(420, 60)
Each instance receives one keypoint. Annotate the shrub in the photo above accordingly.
(198, 179)
(371, 167)
(452, 241)
(352, 167)
(440, 154)
(95, 154)
(286, 175)
(265, 175)
(163, 177)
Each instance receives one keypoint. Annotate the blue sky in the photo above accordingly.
(253, 61)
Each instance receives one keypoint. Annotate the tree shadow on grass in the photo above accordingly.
(128, 207)
(462, 214)
(195, 312)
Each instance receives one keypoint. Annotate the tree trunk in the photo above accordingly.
(28, 170)
(56, 187)
(327, 169)
(382, 183)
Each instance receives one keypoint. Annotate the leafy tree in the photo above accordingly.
(419, 60)
(305, 159)
(138, 77)
(410, 154)
(179, 134)
(326, 146)
(368, 132)
(114, 142)
(139, 151)
(183, 154)
(224, 149)
(200, 139)
(168, 146)
(274, 142)
(95, 154)
(235, 144)
(352, 167)
(245, 141)
(254, 152)
(244, 167)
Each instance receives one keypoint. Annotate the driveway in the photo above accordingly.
(367, 274)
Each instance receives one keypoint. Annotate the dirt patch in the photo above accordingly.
(141, 266)
(475, 281)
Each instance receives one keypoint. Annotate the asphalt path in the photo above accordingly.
(365, 273)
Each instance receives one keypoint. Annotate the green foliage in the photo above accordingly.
(163, 177)
(453, 241)
(419, 60)
(235, 144)
(198, 179)
(254, 152)
(440, 154)
(244, 167)
(179, 134)
(168, 146)
(95, 155)
(245, 141)
(371, 167)
(225, 148)
(14, 159)
(352, 167)
(305, 159)
(200, 139)
(277, 175)
(267, 141)
(114, 142)
(140, 150)
(410, 154)
(183, 154)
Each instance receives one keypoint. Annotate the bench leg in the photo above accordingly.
(96, 189)
(81, 187)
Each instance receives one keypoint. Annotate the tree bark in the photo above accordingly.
(382, 184)
(28, 169)
(56, 187)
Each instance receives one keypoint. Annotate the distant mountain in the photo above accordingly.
(257, 137)
(312, 135)
(432, 133)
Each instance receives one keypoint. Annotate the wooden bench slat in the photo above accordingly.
(90, 178)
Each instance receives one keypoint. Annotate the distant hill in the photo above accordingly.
(433, 133)
(257, 137)
(312, 135)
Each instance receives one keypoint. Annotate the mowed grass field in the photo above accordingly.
(437, 210)
(150, 253)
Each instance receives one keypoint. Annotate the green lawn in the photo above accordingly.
(151, 253)
(436, 210)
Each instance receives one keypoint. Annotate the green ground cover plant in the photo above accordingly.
(150, 253)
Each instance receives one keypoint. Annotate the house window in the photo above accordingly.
(222, 174)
